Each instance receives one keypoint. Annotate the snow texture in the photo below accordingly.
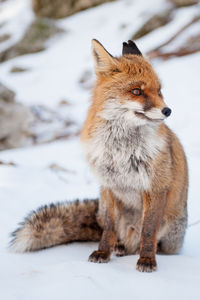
(57, 171)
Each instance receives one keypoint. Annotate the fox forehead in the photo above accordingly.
(138, 72)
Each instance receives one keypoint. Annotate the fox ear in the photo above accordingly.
(104, 62)
(130, 48)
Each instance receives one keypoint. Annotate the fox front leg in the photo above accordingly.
(153, 206)
(109, 236)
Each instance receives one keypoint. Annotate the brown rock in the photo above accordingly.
(62, 8)
(190, 46)
(4, 37)
(6, 94)
(153, 23)
(17, 69)
(181, 3)
(34, 39)
(14, 120)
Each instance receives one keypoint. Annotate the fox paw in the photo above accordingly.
(119, 250)
(99, 257)
(146, 264)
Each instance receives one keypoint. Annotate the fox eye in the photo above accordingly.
(159, 93)
(136, 92)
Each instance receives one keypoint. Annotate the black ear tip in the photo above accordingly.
(130, 48)
(132, 44)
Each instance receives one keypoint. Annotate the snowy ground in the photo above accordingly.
(57, 171)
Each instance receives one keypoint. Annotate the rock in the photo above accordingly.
(181, 3)
(64, 102)
(17, 69)
(34, 39)
(14, 120)
(10, 163)
(153, 23)
(4, 37)
(190, 46)
(6, 94)
(62, 8)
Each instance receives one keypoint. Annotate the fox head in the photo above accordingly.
(127, 87)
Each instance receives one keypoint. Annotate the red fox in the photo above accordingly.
(139, 163)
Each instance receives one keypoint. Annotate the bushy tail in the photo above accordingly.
(57, 224)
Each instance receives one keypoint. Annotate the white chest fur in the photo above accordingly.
(120, 157)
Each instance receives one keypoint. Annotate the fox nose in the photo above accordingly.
(166, 111)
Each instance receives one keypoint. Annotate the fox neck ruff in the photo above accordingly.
(121, 154)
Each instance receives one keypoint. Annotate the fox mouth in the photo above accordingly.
(143, 116)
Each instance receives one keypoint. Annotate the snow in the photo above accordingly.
(11, 13)
(57, 171)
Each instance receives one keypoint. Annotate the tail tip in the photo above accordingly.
(20, 242)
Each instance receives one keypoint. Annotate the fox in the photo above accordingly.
(140, 166)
